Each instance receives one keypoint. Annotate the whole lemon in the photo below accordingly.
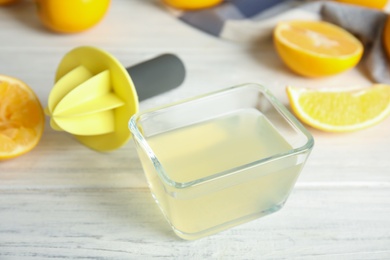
(70, 16)
(192, 4)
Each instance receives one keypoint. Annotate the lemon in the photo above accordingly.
(71, 16)
(192, 4)
(341, 110)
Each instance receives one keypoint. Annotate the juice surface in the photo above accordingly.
(210, 147)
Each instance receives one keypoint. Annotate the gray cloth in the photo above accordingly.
(366, 24)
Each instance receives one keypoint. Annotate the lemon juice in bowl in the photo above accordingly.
(221, 159)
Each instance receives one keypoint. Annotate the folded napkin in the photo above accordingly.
(250, 21)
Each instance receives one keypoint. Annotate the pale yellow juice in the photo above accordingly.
(228, 147)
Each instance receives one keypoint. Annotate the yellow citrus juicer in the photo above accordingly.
(94, 96)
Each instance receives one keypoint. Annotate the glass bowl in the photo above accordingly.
(221, 159)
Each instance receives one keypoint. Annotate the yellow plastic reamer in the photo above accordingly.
(94, 96)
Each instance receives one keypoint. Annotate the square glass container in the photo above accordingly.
(220, 159)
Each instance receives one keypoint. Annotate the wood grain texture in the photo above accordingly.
(126, 223)
(64, 201)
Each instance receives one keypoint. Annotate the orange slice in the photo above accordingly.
(341, 110)
(21, 118)
(316, 48)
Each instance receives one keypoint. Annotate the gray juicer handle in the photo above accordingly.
(156, 76)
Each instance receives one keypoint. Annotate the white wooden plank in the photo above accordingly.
(126, 223)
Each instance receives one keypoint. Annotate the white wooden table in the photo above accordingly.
(65, 201)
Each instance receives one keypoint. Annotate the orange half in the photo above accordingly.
(316, 48)
(21, 118)
(376, 4)
(386, 37)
